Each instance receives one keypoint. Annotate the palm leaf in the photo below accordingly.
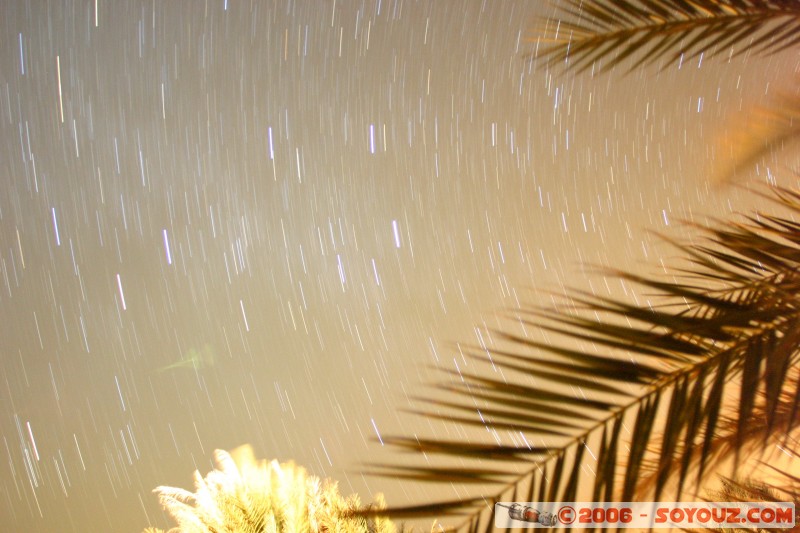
(768, 428)
(732, 332)
(601, 34)
(463, 475)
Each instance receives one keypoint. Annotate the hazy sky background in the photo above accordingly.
(313, 200)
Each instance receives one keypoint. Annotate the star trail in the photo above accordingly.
(227, 222)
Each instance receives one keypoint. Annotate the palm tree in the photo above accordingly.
(246, 496)
(642, 397)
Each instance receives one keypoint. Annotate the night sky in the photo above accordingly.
(227, 222)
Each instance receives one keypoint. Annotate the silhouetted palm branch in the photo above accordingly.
(600, 34)
(766, 430)
(688, 369)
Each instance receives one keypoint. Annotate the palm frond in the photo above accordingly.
(601, 34)
(650, 391)
(767, 429)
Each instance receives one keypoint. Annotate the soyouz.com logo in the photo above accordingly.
(649, 515)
